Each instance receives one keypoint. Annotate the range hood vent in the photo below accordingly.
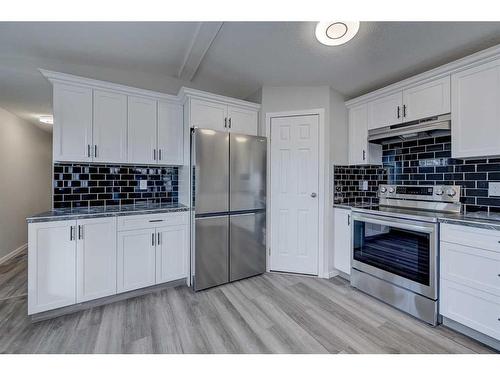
(410, 130)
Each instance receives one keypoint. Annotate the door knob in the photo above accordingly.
(313, 195)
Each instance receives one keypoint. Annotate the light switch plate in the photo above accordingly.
(143, 185)
(494, 189)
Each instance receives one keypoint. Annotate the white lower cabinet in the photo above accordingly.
(342, 239)
(171, 253)
(136, 259)
(95, 258)
(51, 265)
(73, 261)
(470, 277)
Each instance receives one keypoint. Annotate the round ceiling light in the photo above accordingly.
(335, 33)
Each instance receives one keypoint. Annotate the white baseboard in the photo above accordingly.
(13, 253)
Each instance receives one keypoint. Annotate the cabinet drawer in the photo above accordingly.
(474, 309)
(152, 220)
(472, 267)
(486, 239)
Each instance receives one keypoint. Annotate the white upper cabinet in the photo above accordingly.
(72, 135)
(360, 150)
(475, 111)
(242, 120)
(95, 258)
(142, 130)
(427, 100)
(221, 116)
(110, 127)
(170, 133)
(411, 103)
(385, 111)
(208, 114)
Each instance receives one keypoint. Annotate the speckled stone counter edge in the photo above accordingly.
(57, 215)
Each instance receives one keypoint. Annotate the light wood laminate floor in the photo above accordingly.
(272, 313)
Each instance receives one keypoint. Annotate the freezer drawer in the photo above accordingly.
(211, 179)
(247, 245)
(211, 252)
(247, 186)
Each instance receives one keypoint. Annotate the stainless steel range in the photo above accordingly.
(395, 246)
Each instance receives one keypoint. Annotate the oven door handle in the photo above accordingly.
(395, 224)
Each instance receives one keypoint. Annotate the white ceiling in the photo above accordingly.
(242, 57)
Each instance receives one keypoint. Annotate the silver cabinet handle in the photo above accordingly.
(398, 111)
(404, 110)
(79, 232)
(95, 151)
(159, 236)
(225, 122)
(152, 239)
(230, 122)
(364, 155)
(156, 221)
(71, 233)
(154, 153)
(88, 151)
(313, 195)
(348, 219)
(159, 154)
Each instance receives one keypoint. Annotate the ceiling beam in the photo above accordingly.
(202, 40)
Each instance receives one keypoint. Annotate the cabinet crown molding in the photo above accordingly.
(477, 58)
(57, 77)
(183, 94)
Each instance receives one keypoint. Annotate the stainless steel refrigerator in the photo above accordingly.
(229, 200)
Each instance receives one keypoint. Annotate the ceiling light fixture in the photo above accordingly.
(46, 119)
(335, 33)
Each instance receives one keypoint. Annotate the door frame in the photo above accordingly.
(323, 188)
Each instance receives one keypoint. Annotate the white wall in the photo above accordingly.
(25, 177)
(295, 98)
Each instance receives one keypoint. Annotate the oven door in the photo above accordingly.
(400, 251)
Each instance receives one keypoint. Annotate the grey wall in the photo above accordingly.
(295, 98)
(25, 177)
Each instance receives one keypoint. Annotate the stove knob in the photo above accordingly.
(383, 189)
(391, 190)
(439, 191)
(451, 192)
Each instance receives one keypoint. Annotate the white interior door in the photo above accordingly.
(294, 188)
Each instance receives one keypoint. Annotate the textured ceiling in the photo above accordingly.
(243, 57)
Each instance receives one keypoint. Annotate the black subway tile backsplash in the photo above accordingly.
(84, 185)
(425, 161)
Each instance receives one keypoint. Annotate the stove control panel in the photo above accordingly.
(439, 193)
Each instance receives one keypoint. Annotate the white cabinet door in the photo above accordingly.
(171, 253)
(136, 259)
(209, 115)
(170, 134)
(385, 111)
(72, 123)
(342, 240)
(141, 130)
(51, 265)
(475, 111)
(426, 100)
(243, 121)
(110, 127)
(358, 134)
(95, 258)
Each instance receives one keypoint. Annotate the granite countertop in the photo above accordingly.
(95, 212)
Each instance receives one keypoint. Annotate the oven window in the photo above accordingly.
(398, 251)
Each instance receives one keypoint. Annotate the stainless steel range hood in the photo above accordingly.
(410, 130)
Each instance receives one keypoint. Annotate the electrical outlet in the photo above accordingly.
(143, 185)
(494, 189)
(363, 185)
